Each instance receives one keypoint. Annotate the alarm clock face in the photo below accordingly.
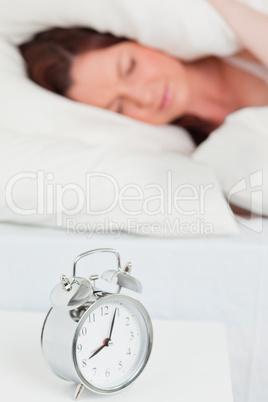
(112, 343)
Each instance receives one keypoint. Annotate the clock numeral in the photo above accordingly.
(79, 347)
(107, 373)
(105, 310)
(131, 335)
(83, 331)
(92, 318)
(127, 321)
(128, 352)
(84, 363)
(94, 370)
(120, 365)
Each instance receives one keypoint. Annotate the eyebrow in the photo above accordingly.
(119, 75)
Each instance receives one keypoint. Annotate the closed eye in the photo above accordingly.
(131, 66)
(119, 108)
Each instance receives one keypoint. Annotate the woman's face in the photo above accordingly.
(131, 79)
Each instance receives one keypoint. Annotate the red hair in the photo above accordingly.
(49, 56)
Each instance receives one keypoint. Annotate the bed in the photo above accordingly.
(222, 279)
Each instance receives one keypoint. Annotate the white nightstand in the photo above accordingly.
(189, 363)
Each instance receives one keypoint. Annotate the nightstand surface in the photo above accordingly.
(189, 363)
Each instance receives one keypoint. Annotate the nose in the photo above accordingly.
(140, 93)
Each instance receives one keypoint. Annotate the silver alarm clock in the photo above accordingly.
(101, 341)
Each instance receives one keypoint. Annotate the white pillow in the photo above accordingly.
(182, 28)
(238, 153)
(43, 132)
(68, 184)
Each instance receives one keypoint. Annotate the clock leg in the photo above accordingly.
(80, 388)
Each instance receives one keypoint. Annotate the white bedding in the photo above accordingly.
(45, 133)
(218, 279)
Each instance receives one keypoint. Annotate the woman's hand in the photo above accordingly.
(250, 26)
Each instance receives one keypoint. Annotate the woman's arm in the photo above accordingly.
(250, 26)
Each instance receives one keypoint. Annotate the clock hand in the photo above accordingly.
(106, 340)
(112, 325)
(96, 351)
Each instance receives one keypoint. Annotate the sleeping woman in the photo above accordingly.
(149, 85)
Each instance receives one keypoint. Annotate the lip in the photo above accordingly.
(166, 98)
